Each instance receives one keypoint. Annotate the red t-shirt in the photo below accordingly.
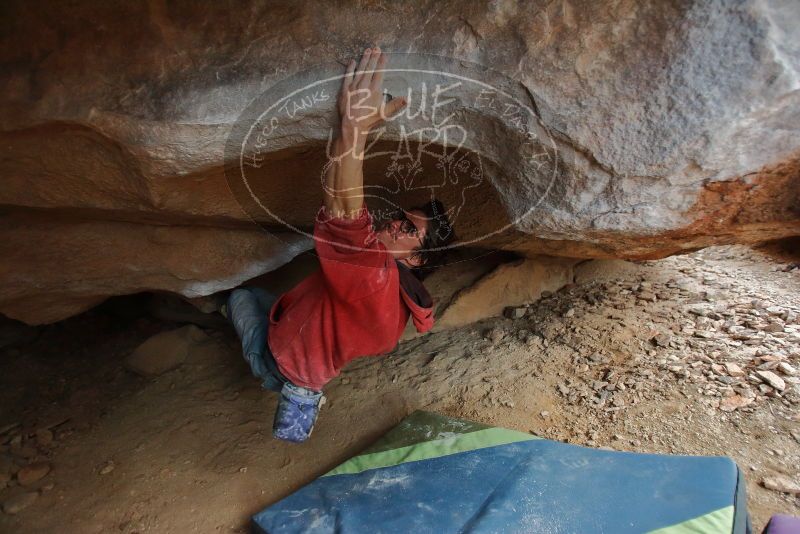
(353, 306)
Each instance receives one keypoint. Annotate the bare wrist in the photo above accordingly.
(353, 135)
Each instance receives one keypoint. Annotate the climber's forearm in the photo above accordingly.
(344, 180)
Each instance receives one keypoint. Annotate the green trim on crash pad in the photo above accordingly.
(719, 521)
(479, 439)
(423, 426)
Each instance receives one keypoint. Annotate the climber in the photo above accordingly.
(368, 284)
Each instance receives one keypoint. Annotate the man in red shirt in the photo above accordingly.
(360, 300)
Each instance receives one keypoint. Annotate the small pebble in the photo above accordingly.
(16, 504)
(107, 468)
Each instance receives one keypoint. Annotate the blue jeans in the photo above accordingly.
(248, 308)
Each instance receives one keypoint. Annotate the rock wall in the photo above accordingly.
(511, 284)
(667, 127)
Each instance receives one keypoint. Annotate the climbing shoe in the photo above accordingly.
(297, 412)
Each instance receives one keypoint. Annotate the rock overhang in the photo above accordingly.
(669, 128)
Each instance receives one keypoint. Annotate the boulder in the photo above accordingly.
(510, 284)
(32, 473)
(464, 269)
(514, 312)
(75, 265)
(781, 483)
(15, 504)
(628, 130)
(772, 379)
(165, 351)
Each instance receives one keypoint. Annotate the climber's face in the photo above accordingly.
(403, 234)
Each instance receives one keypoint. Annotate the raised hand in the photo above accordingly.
(361, 107)
(361, 103)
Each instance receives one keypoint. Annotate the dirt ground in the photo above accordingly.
(666, 356)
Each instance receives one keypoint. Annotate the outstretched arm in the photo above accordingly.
(361, 107)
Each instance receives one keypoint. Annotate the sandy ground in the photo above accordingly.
(632, 358)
